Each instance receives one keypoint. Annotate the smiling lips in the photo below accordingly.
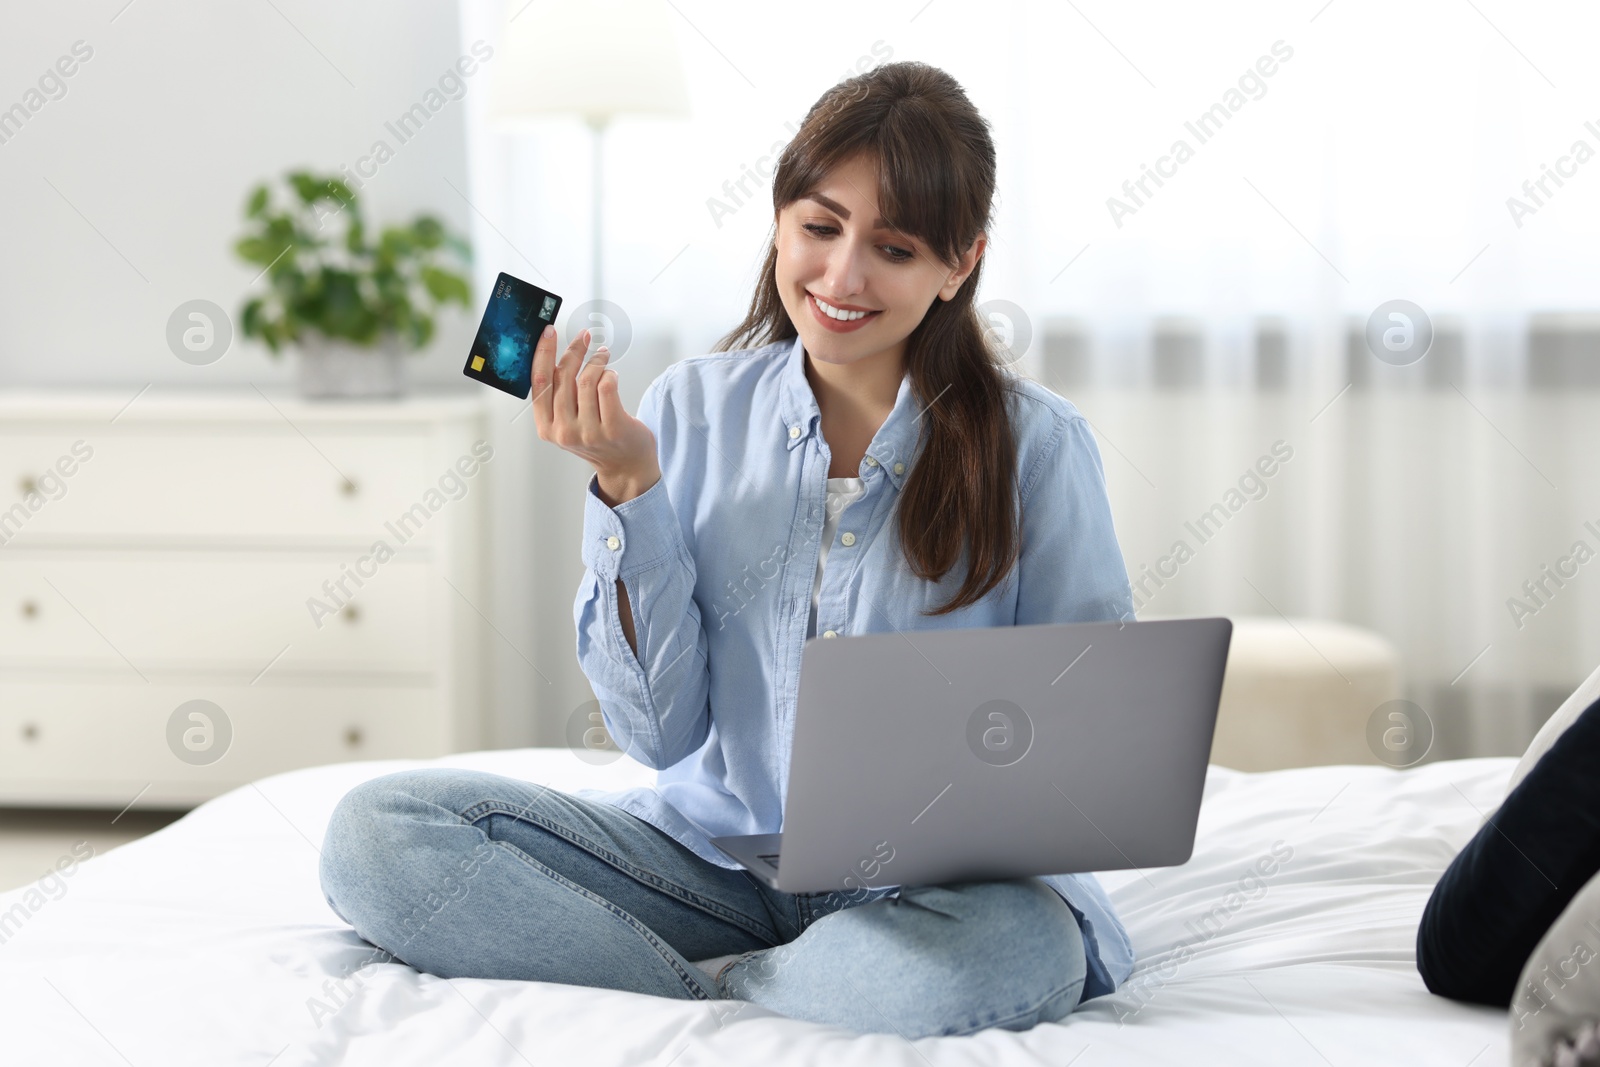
(841, 320)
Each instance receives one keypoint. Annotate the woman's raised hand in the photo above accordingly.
(576, 407)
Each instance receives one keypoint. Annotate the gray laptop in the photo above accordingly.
(983, 754)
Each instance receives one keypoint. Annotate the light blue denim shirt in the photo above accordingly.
(719, 559)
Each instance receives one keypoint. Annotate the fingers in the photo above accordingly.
(554, 399)
(564, 382)
(569, 394)
(544, 358)
(612, 413)
(588, 403)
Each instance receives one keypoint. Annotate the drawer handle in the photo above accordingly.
(351, 613)
(30, 731)
(30, 608)
(348, 488)
(27, 484)
(352, 737)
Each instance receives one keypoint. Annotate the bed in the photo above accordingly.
(209, 943)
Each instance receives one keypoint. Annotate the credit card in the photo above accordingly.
(502, 353)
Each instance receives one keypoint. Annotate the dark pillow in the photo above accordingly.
(1499, 896)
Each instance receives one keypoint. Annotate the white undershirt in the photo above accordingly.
(841, 492)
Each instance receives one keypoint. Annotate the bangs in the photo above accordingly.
(919, 191)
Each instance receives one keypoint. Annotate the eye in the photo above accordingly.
(820, 232)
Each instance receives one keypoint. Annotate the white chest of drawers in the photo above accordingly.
(312, 572)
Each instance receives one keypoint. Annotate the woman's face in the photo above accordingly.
(833, 249)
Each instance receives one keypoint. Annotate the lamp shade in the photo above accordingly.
(593, 58)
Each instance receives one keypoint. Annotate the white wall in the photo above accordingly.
(181, 109)
(124, 196)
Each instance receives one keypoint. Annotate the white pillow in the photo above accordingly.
(1570, 709)
(1557, 999)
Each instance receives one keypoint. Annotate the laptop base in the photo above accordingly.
(758, 853)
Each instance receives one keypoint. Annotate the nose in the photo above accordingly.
(846, 273)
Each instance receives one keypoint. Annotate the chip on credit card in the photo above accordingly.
(502, 353)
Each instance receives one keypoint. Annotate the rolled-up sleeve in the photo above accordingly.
(655, 704)
(1071, 567)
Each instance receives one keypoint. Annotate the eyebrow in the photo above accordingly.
(843, 212)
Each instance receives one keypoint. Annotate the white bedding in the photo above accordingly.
(206, 942)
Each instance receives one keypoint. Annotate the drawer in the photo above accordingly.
(252, 484)
(78, 743)
(217, 611)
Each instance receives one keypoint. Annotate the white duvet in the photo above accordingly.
(1287, 939)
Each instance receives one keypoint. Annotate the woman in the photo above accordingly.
(872, 466)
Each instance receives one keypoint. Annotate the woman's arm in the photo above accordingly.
(640, 639)
(1071, 568)
(623, 490)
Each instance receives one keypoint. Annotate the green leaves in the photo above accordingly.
(311, 188)
(257, 203)
(342, 285)
(427, 231)
(254, 250)
(446, 288)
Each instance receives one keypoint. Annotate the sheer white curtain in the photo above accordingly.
(1338, 156)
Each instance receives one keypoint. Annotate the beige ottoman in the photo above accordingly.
(1299, 693)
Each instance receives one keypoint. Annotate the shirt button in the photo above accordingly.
(829, 633)
(899, 468)
(847, 539)
(794, 431)
(871, 462)
(613, 543)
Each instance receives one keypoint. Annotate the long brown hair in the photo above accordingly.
(936, 178)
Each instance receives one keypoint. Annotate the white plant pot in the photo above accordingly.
(338, 370)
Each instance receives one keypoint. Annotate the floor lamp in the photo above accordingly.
(595, 59)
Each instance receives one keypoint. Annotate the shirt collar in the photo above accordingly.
(892, 444)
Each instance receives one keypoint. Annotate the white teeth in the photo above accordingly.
(834, 313)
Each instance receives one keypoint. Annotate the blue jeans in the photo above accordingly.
(462, 873)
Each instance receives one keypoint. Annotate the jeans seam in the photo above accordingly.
(711, 907)
(719, 979)
(1034, 1011)
(661, 948)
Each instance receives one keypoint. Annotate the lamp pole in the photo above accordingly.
(597, 127)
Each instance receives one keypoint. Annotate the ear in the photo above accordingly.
(969, 262)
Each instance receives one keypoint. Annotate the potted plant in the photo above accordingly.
(350, 306)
